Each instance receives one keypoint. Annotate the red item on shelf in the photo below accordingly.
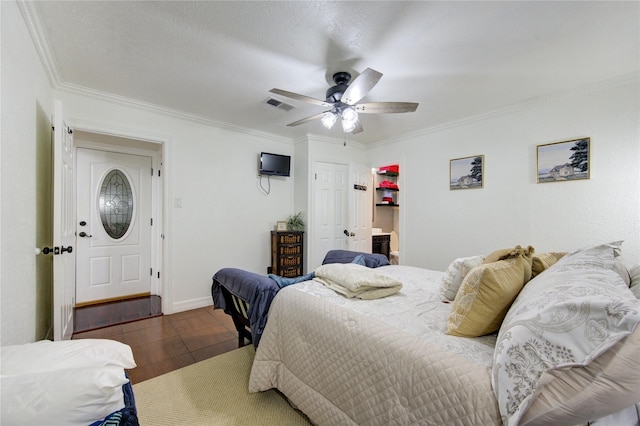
(388, 184)
(387, 199)
(392, 168)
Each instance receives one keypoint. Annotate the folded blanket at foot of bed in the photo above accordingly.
(353, 280)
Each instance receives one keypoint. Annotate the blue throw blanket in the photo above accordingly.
(255, 289)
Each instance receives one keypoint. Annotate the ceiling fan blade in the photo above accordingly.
(299, 97)
(305, 120)
(385, 107)
(361, 86)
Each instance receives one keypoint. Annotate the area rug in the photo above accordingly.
(212, 392)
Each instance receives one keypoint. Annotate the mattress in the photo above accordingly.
(375, 362)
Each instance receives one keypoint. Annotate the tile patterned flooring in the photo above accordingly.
(165, 343)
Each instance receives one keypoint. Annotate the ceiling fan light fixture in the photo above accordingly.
(349, 119)
(328, 119)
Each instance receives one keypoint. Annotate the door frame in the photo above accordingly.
(111, 141)
(312, 234)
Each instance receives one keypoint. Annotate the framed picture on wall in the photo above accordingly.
(466, 173)
(563, 161)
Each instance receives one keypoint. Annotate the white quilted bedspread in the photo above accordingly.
(375, 362)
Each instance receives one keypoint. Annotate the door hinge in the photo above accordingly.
(158, 274)
(152, 171)
(151, 221)
(150, 271)
(158, 172)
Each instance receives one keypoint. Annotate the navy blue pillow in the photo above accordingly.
(372, 260)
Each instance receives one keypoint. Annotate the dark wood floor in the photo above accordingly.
(101, 315)
(165, 343)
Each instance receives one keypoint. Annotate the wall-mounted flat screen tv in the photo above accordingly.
(274, 164)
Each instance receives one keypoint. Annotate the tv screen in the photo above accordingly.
(274, 164)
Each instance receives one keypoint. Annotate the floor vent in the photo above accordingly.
(279, 104)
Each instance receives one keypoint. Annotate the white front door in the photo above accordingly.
(360, 208)
(330, 210)
(63, 227)
(113, 225)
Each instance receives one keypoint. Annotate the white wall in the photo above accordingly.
(25, 101)
(438, 225)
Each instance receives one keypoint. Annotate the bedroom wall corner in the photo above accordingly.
(26, 110)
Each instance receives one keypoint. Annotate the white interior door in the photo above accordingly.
(360, 210)
(63, 227)
(330, 210)
(114, 225)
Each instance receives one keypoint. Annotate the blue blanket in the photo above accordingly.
(128, 416)
(255, 289)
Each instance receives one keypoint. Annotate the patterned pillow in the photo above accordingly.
(486, 294)
(574, 394)
(566, 317)
(455, 273)
(543, 261)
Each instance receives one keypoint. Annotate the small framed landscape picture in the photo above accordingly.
(563, 161)
(281, 226)
(467, 172)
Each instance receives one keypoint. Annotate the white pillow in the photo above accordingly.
(46, 355)
(454, 274)
(68, 397)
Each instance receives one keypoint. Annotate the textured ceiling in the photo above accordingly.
(218, 60)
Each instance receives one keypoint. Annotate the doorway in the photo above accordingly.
(118, 219)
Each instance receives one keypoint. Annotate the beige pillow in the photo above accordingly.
(507, 253)
(486, 294)
(543, 261)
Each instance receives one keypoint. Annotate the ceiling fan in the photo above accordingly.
(342, 101)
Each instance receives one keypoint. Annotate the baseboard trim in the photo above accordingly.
(188, 305)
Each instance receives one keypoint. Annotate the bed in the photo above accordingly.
(389, 360)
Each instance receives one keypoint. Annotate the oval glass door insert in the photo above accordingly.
(116, 204)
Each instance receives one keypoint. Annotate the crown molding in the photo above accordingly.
(622, 80)
(136, 104)
(35, 28)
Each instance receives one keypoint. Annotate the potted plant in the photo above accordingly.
(296, 222)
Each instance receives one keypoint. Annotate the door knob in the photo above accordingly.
(84, 235)
(349, 234)
(67, 249)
